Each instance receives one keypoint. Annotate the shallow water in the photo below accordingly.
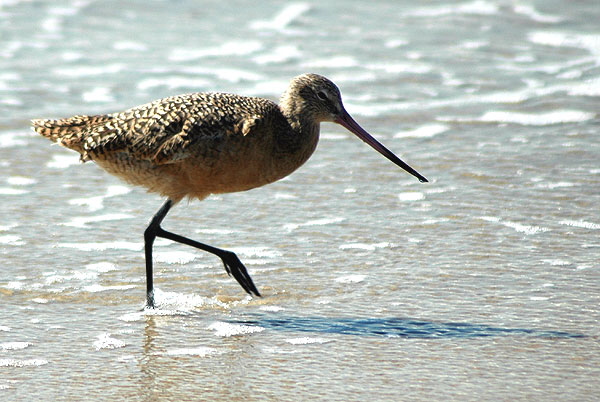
(480, 285)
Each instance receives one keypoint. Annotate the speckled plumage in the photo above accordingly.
(190, 145)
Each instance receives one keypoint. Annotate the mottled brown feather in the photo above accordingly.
(201, 143)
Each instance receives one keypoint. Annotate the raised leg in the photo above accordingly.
(233, 265)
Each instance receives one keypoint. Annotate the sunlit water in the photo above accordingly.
(480, 285)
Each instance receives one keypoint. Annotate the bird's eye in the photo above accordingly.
(322, 95)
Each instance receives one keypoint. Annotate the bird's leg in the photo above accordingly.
(149, 235)
(233, 265)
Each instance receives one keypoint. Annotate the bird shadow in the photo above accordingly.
(396, 327)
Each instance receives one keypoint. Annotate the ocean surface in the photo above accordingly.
(481, 285)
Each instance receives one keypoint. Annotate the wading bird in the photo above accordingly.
(199, 144)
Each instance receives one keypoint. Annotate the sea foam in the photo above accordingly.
(283, 19)
(225, 329)
(425, 131)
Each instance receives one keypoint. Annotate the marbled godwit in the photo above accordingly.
(199, 144)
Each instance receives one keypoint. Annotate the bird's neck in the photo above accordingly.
(300, 142)
(296, 144)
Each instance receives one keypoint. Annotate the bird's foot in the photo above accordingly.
(150, 301)
(236, 268)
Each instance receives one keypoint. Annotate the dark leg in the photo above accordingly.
(149, 236)
(233, 265)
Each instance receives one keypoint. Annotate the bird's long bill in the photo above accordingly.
(348, 122)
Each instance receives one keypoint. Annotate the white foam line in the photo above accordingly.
(14, 345)
(261, 252)
(355, 278)
(95, 203)
(20, 181)
(14, 285)
(216, 231)
(105, 341)
(130, 46)
(272, 308)
(283, 19)
(82, 221)
(226, 74)
(119, 245)
(589, 42)
(531, 12)
(4, 228)
(225, 329)
(340, 61)
(315, 222)
(527, 229)
(174, 83)
(364, 246)
(280, 54)
(22, 363)
(307, 340)
(98, 94)
(88, 71)
(589, 87)
(425, 131)
(519, 227)
(10, 140)
(201, 351)
(477, 7)
(100, 288)
(558, 184)
(557, 262)
(581, 224)
(173, 303)
(398, 68)
(537, 119)
(62, 161)
(11, 239)
(12, 191)
(231, 48)
(175, 257)
(101, 267)
(411, 196)
(395, 43)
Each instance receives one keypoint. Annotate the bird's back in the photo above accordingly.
(145, 130)
(185, 145)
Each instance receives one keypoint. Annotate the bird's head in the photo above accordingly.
(317, 99)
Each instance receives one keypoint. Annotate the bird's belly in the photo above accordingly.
(230, 175)
(197, 177)
(163, 179)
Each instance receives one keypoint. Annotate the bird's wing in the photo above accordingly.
(210, 125)
(171, 129)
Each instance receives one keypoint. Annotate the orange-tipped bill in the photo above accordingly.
(348, 122)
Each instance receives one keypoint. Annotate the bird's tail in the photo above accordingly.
(69, 132)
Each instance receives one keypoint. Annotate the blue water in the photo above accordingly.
(483, 284)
